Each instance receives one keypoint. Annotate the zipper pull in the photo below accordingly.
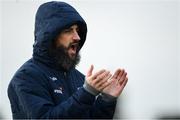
(65, 74)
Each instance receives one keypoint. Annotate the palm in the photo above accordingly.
(113, 89)
(118, 82)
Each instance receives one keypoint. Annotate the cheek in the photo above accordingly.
(65, 41)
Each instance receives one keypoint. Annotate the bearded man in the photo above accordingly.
(49, 85)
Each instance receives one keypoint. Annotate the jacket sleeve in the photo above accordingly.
(103, 109)
(104, 105)
(36, 100)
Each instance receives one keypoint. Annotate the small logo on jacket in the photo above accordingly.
(60, 90)
(53, 78)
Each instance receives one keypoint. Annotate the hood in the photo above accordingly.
(51, 19)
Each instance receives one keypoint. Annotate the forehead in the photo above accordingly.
(75, 26)
(72, 27)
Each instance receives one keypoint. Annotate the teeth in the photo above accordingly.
(74, 47)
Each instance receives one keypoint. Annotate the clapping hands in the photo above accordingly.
(104, 82)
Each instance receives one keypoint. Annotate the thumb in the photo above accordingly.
(89, 73)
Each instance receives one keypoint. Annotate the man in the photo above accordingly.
(48, 85)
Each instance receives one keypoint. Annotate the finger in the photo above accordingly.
(120, 74)
(98, 73)
(104, 85)
(123, 77)
(102, 82)
(124, 83)
(101, 77)
(90, 71)
(121, 87)
(116, 73)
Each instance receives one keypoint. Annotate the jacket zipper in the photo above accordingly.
(68, 85)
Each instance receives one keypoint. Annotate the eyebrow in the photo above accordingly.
(71, 28)
(75, 27)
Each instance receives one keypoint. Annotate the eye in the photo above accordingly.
(67, 30)
(77, 29)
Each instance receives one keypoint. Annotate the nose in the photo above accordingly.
(76, 36)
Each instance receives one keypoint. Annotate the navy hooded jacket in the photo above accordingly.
(39, 89)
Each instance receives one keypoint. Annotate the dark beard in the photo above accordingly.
(62, 59)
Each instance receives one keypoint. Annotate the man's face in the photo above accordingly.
(69, 38)
(65, 49)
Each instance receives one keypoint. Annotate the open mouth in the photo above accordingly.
(73, 47)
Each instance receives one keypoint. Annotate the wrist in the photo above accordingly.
(108, 98)
(90, 89)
